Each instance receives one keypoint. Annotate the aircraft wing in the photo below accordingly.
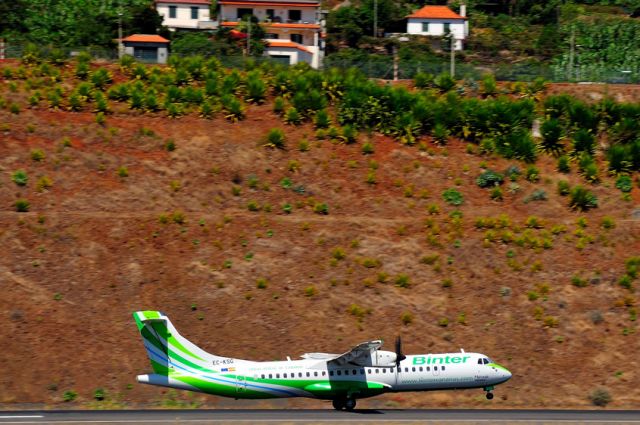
(359, 355)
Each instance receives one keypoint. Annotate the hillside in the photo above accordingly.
(258, 252)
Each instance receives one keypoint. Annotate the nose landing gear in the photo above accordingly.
(489, 393)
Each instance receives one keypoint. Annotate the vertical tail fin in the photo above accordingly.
(165, 347)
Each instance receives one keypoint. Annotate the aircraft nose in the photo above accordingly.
(507, 374)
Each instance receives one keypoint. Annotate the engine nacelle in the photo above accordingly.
(383, 358)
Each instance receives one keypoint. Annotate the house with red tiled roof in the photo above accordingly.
(147, 47)
(293, 27)
(185, 14)
(438, 21)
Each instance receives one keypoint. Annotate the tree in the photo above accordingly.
(192, 43)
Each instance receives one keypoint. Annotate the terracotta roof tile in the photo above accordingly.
(435, 12)
(203, 2)
(146, 38)
(287, 44)
(266, 3)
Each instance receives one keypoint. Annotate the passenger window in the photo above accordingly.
(406, 369)
(435, 368)
(308, 374)
(442, 367)
(324, 373)
(315, 373)
(354, 372)
(330, 373)
(262, 376)
(413, 369)
(277, 376)
(377, 370)
(370, 372)
(270, 376)
(428, 368)
(420, 368)
(285, 375)
(384, 370)
(339, 372)
(299, 374)
(361, 371)
(391, 371)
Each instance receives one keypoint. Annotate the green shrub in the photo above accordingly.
(275, 139)
(278, 105)
(452, 197)
(349, 134)
(582, 199)
(402, 281)
(253, 206)
(496, 194)
(123, 171)
(43, 183)
(444, 82)
(367, 148)
(488, 86)
(235, 110)
(583, 141)
(588, 167)
(517, 144)
(578, 281)
(37, 155)
(440, 133)
(608, 223)
(20, 178)
(338, 254)
(322, 119)
(536, 195)
(99, 394)
(310, 291)
(321, 208)
(100, 78)
(423, 80)
(532, 174)
(551, 131)
(600, 397)
(22, 205)
(262, 283)
(69, 395)
(406, 318)
(292, 116)
(563, 188)
(619, 159)
(489, 178)
(624, 183)
(256, 89)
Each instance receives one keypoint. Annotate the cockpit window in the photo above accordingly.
(479, 361)
(485, 361)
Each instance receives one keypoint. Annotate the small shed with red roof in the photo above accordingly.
(147, 47)
(439, 21)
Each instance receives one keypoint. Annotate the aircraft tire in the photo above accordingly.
(350, 404)
(489, 396)
(339, 404)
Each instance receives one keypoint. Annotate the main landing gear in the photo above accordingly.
(344, 404)
(489, 393)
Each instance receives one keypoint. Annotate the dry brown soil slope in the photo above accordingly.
(93, 249)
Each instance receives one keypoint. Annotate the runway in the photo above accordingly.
(396, 416)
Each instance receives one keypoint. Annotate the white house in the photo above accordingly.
(147, 47)
(439, 21)
(185, 14)
(293, 27)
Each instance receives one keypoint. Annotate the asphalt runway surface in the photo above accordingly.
(291, 416)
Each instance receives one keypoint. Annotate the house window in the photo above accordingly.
(447, 28)
(194, 12)
(296, 38)
(270, 14)
(295, 15)
(271, 36)
(425, 27)
(173, 11)
(242, 12)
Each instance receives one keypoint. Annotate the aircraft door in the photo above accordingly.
(435, 370)
(241, 383)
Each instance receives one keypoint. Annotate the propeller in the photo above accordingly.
(399, 356)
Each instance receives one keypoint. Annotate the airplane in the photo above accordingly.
(364, 371)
